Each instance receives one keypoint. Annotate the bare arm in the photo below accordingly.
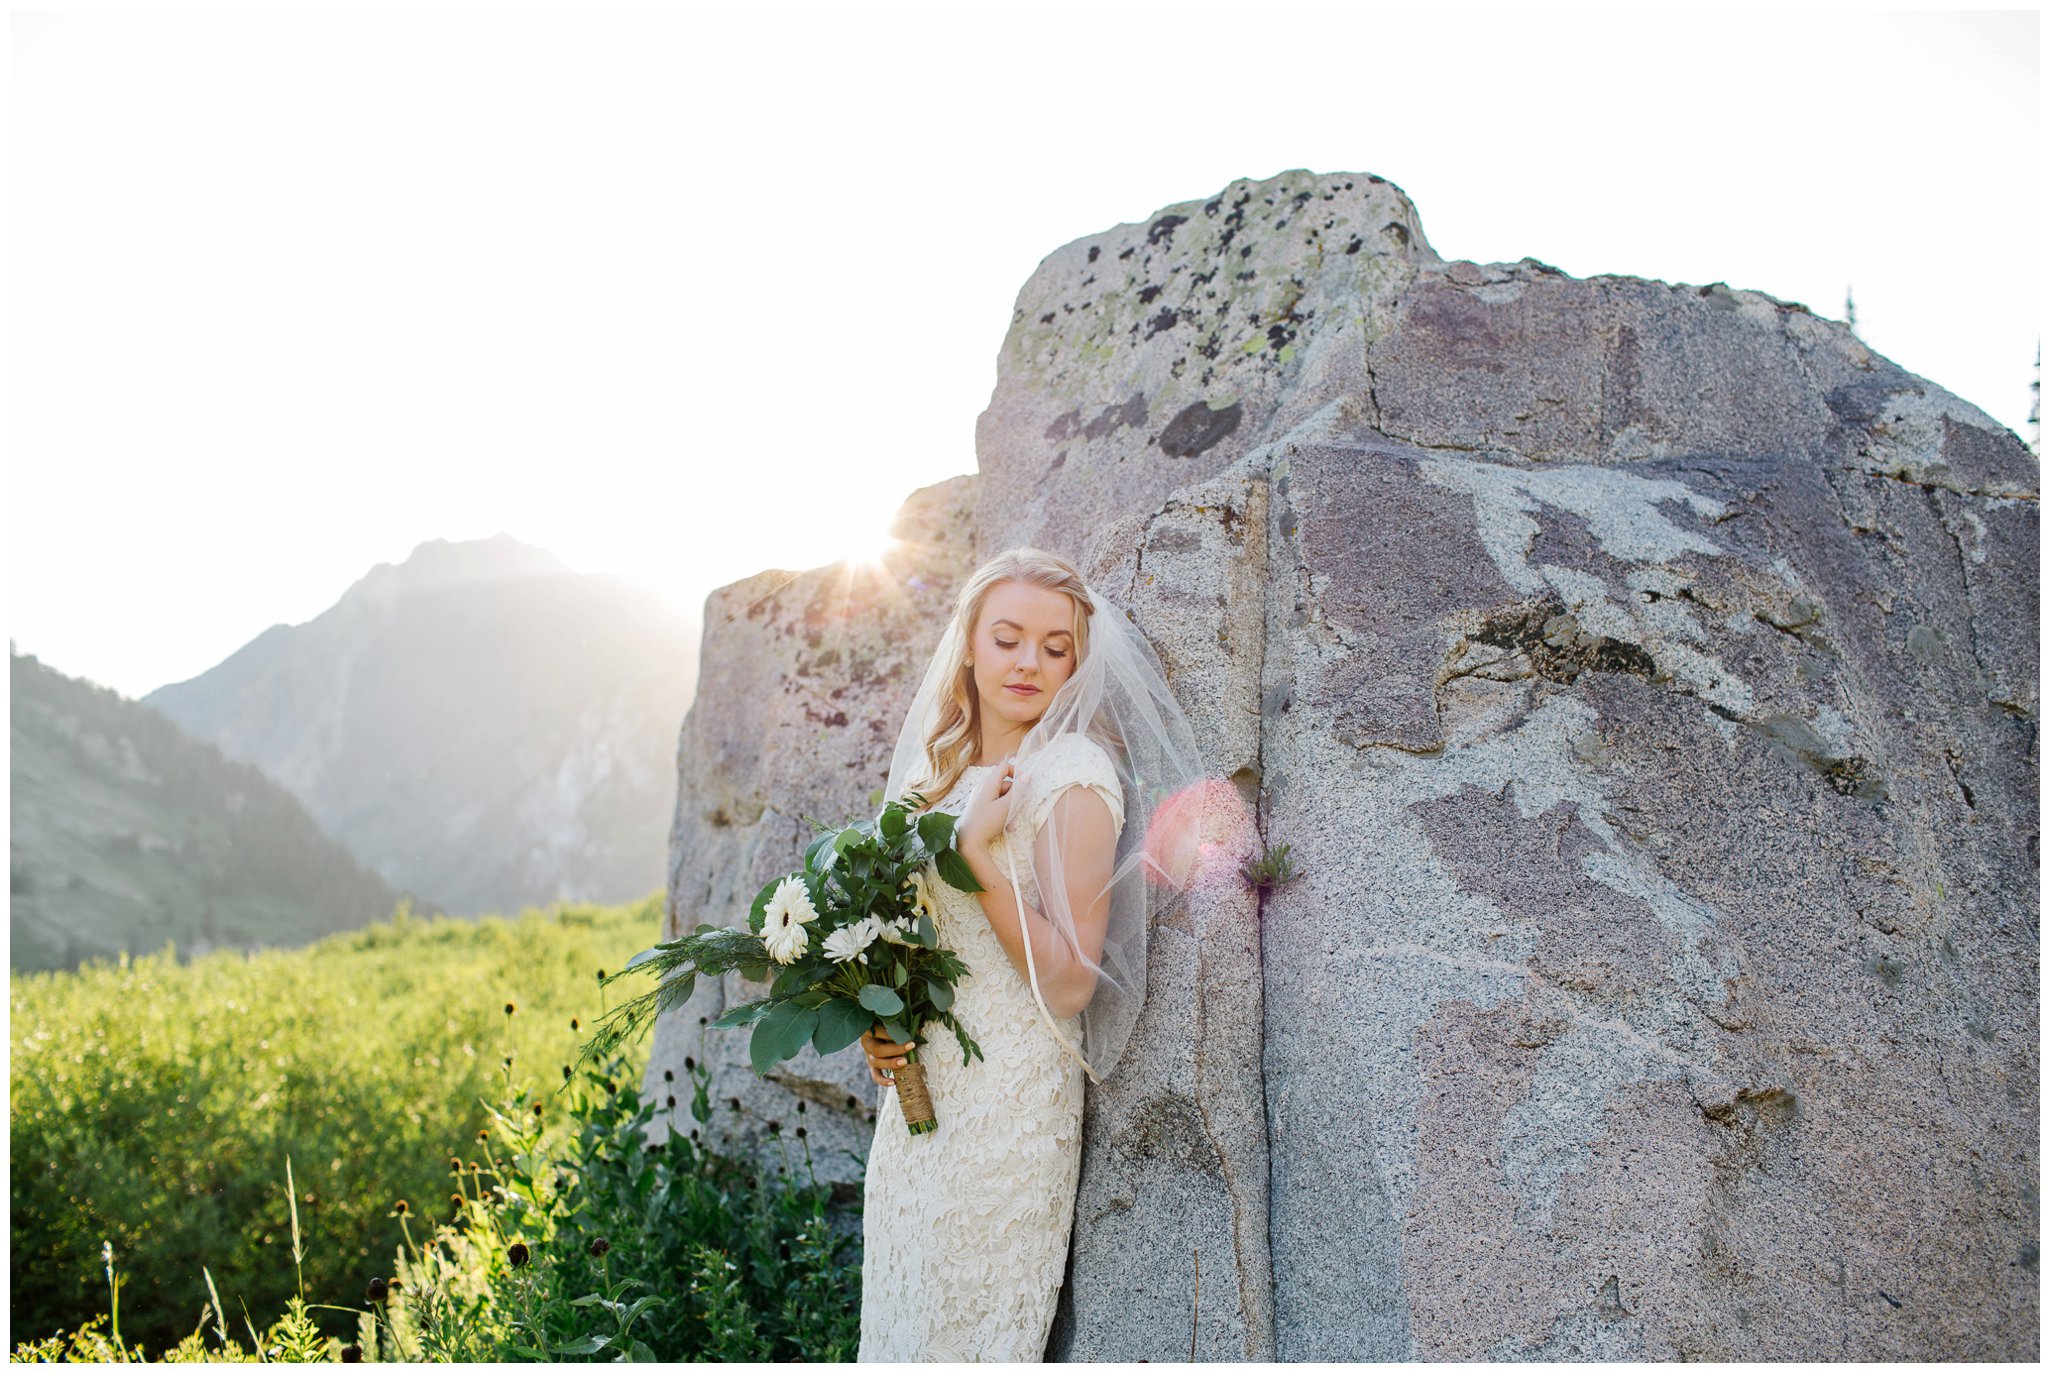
(1088, 852)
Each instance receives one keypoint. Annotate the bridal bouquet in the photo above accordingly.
(848, 940)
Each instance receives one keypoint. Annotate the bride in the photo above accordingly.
(1045, 724)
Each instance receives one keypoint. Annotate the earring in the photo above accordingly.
(971, 662)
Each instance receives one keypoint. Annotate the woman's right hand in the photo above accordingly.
(883, 1053)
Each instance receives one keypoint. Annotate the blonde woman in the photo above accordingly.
(1045, 724)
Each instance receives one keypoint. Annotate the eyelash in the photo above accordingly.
(1051, 653)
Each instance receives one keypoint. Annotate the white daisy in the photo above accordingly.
(784, 918)
(847, 942)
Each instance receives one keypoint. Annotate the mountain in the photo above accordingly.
(127, 834)
(478, 723)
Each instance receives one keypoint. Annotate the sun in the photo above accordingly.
(867, 550)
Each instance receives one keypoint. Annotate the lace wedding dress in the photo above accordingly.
(965, 1230)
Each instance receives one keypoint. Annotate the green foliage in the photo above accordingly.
(154, 1106)
(1269, 870)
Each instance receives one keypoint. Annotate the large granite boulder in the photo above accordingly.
(1644, 680)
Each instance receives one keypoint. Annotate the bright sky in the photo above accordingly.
(687, 296)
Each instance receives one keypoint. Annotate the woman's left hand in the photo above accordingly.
(989, 809)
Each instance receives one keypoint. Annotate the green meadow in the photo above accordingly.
(156, 1104)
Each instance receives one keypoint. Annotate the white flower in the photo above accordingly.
(898, 931)
(784, 918)
(848, 941)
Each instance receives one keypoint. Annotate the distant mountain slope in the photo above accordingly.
(478, 724)
(127, 834)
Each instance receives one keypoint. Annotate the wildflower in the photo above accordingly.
(508, 1008)
(600, 1247)
(896, 931)
(399, 1206)
(376, 1291)
(800, 1108)
(672, 1103)
(352, 1353)
(775, 1127)
(704, 1020)
(668, 1076)
(508, 1060)
(483, 1137)
(800, 1132)
(393, 1283)
(925, 892)
(565, 1072)
(537, 1108)
(690, 1065)
(783, 921)
(601, 974)
(455, 1199)
(516, 1254)
(573, 1025)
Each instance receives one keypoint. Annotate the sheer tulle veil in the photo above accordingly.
(1179, 828)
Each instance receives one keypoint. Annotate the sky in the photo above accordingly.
(685, 295)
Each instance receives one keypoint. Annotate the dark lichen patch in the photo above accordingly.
(1161, 323)
(1095, 252)
(1558, 647)
(1198, 428)
(1111, 418)
(1065, 426)
(1163, 229)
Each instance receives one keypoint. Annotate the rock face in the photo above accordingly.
(1644, 680)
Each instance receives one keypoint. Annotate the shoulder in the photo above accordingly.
(1074, 760)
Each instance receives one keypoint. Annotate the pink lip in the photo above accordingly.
(1023, 690)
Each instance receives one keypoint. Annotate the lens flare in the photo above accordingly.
(1203, 831)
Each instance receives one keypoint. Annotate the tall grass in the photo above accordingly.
(154, 1104)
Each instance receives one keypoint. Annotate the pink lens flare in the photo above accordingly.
(1202, 831)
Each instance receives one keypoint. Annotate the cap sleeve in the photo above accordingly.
(1074, 760)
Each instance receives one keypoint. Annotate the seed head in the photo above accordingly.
(800, 1108)
(611, 1087)
(455, 1199)
(704, 1020)
(400, 1206)
(574, 1024)
(565, 1072)
(508, 1008)
(537, 1108)
(690, 1065)
(800, 1132)
(393, 1283)
(484, 1137)
(377, 1291)
(516, 1254)
(601, 974)
(352, 1353)
(600, 1247)
(455, 1165)
(672, 1103)
(508, 1060)
(775, 1127)
(668, 1076)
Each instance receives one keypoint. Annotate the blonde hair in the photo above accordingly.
(957, 726)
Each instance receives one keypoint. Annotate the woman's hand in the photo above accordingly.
(883, 1053)
(989, 809)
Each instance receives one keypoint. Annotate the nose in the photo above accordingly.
(1028, 659)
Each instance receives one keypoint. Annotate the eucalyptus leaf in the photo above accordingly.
(942, 995)
(745, 1013)
(881, 1000)
(643, 956)
(954, 868)
(935, 830)
(757, 912)
(928, 934)
(900, 974)
(781, 1033)
(841, 1022)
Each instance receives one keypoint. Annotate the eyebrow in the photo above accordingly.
(1021, 628)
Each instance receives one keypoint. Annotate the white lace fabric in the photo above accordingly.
(965, 1230)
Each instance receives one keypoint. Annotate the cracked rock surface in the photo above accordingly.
(1644, 678)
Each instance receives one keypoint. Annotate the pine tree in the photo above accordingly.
(1850, 311)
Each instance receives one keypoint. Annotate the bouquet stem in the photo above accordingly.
(912, 1098)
